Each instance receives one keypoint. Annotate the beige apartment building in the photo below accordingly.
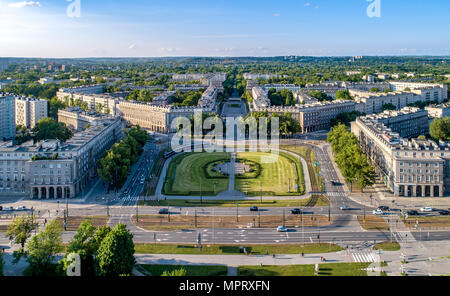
(51, 169)
(29, 111)
(409, 168)
(77, 119)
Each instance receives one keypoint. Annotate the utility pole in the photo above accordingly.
(195, 218)
(284, 220)
(260, 191)
(137, 211)
(237, 212)
(259, 219)
(201, 191)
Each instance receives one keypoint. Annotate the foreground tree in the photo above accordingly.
(116, 252)
(20, 229)
(42, 250)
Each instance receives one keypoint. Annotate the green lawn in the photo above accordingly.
(325, 269)
(387, 246)
(234, 249)
(192, 270)
(242, 203)
(275, 176)
(185, 172)
(308, 154)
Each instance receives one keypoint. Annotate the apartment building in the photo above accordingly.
(51, 169)
(438, 111)
(77, 119)
(29, 111)
(7, 117)
(410, 168)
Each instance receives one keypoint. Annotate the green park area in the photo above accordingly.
(192, 174)
(271, 175)
(191, 270)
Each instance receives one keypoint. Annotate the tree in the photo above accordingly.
(116, 252)
(388, 106)
(47, 128)
(177, 272)
(84, 245)
(343, 95)
(440, 129)
(42, 249)
(20, 229)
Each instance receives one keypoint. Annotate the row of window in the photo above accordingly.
(419, 178)
(418, 164)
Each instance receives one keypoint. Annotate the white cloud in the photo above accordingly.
(307, 4)
(276, 14)
(132, 46)
(24, 4)
(317, 6)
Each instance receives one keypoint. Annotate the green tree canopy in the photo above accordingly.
(116, 252)
(47, 128)
(20, 229)
(440, 129)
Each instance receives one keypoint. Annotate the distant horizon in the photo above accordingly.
(225, 57)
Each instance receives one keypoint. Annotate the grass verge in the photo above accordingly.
(387, 246)
(192, 249)
(192, 270)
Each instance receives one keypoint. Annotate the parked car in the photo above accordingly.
(163, 211)
(426, 209)
(444, 213)
(21, 208)
(378, 212)
(383, 208)
(254, 209)
(9, 209)
(296, 211)
(282, 229)
(413, 213)
(344, 208)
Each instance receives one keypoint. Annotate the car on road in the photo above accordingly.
(282, 229)
(383, 208)
(163, 211)
(1, 208)
(9, 209)
(296, 211)
(344, 208)
(444, 213)
(426, 209)
(254, 209)
(378, 212)
(21, 208)
(413, 213)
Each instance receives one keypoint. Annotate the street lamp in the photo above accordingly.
(237, 212)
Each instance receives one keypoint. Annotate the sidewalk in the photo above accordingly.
(239, 260)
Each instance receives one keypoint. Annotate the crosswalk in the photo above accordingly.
(362, 257)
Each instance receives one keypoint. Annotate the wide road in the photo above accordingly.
(271, 236)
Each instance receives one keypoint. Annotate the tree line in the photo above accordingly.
(350, 158)
(115, 165)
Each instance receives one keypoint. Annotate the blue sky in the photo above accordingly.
(223, 28)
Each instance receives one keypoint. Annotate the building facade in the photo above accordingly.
(51, 169)
(409, 168)
(29, 111)
(7, 117)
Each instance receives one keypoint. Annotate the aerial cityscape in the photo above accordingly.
(209, 151)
